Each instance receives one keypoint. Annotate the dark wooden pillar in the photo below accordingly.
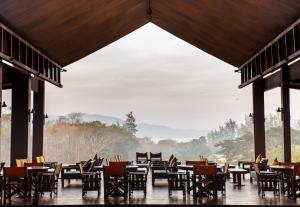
(285, 113)
(20, 115)
(38, 120)
(259, 117)
(1, 78)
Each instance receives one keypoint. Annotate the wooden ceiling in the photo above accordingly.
(68, 30)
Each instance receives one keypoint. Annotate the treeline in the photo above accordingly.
(68, 139)
(235, 142)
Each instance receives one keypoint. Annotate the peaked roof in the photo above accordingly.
(68, 30)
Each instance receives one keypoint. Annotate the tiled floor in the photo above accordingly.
(247, 195)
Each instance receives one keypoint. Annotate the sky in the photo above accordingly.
(162, 79)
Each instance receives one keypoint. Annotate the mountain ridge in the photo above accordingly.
(144, 129)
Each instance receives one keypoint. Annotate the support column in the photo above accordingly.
(20, 117)
(259, 118)
(38, 120)
(1, 80)
(285, 113)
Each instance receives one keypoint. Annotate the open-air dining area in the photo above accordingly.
(57, 160)
(152, 181)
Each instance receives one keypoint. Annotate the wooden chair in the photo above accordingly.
(137, 181)
(160, 169)
(294, 183)
(221, 179)
(286, 175)
(21, 162)
(189, 176)
(15, 182)
(48, 182)
(115, 181)
(204, 181)
(266, 181)
(40, 159)
(141, 158)
(108, 160)
(176, 182)
(155, 157)
(119, 158)
(91, 181)
(1, 178)
(195, 162)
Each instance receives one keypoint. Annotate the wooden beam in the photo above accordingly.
(20, 117)
(38, 120)
(274, 80)
(280, 51)
(285, 105)
(259, 118)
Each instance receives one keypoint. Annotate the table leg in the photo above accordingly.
(239, 178)
(234, 177)
(188, 182)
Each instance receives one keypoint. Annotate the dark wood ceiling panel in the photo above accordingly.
(68, 30)
(231, 30)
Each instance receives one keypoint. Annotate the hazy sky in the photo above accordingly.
(159, 77)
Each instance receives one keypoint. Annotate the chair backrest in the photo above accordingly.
(195, 162)
(38, 159)
(42, 158)
(81, 168)
(119, 163)
(114, 170)
(141, 157)
(225, 169)
(21, 162)
(205, 170)
(100, 161)
(256, 168)
(264, 161)
(171, 158)
(108, 160)
(291, 164)
(2, 166)
(119, 158)
(28, 164)
(297, 170)
(58, 169)
(155, 156)
(14, 172)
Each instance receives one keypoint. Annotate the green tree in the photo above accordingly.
(130, 124)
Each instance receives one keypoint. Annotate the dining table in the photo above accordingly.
(237, 175)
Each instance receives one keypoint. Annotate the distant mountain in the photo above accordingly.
(145, 129)
(159, 131)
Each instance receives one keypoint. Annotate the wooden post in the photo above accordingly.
(1, 80)
(259, 117)
(38, 120)
(285, 113)
(20, 116)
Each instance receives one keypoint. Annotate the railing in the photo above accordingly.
(24, 56)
